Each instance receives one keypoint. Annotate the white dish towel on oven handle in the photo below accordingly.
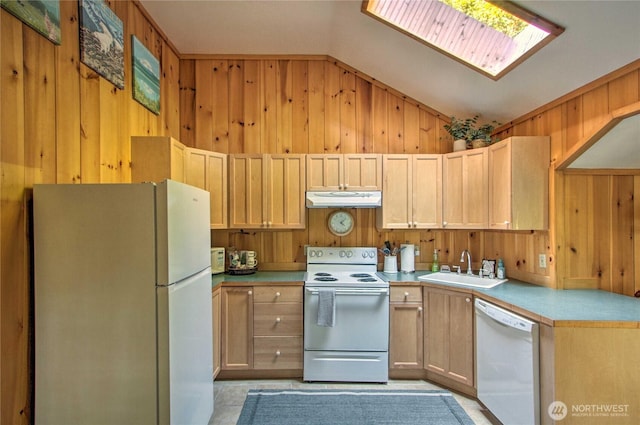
(326, 307)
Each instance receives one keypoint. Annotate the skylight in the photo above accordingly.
(490, 37)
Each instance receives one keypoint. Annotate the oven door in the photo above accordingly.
(361, 324)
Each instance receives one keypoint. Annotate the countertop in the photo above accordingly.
(552, 306)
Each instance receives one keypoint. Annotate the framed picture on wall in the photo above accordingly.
(102, 40)
(146, 76)
(41, 15)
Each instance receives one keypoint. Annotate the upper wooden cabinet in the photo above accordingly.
(519, 183)
(208, 170)
(158, 158)
(267, 191)
(411, 192)
(332, 172)
(154, 159)
(465, 189)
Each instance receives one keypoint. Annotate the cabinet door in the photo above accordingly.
(397, 193)
(405, 328)
(448, 334)
(325, 172)
(362, 172)
(465, 189)
(216, 320)
(460, 314)
(217, 187)
(427, 191)
(500, 186)
(246, 208)
(284, 192)
(237, 328)
(208, 170)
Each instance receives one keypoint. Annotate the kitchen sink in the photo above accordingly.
(462, 279)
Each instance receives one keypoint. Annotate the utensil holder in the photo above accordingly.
(390, 264)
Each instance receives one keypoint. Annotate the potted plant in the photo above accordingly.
(466, 134)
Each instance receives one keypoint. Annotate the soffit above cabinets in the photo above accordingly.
(619, 148)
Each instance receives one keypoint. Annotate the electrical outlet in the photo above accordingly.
(542, 261)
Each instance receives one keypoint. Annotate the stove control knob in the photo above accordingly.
(319, 253)
(372, 254)
(349, 254)
(342, 254)
(312, 253)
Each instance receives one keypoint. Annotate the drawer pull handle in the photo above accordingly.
(277, 353)
(406, 294)
(250, 292)
(277, 320)
(419, 309)
(468, 299)
(277, 294)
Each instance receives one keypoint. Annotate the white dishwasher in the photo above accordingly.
(507, 364)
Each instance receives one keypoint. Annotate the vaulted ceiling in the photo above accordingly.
(600, 37)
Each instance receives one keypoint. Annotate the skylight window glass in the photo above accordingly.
(490, 37)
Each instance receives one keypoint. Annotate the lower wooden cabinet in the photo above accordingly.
(448, 334)
(405, 327)
(237, 328)
(216, 321)
(262, 327)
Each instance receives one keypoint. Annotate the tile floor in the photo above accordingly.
(230, 395)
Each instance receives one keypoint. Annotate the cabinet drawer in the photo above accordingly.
(276, 294)
(271, 352)
(406, 294)
(277, 319)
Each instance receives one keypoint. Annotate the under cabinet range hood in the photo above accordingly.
(363, 199)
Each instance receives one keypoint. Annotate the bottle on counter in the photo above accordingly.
(500, 272)
(435, 266)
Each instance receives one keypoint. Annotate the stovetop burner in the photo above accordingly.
(322, 274)
(368, 279)
(327, 278)
(360, 275)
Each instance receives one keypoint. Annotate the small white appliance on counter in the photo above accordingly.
(123, 329)
(217, 260)
(407, 258)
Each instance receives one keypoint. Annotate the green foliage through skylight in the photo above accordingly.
(490, 15)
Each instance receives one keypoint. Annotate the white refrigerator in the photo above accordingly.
(123, 329)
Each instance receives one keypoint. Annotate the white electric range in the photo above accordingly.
(346, 340)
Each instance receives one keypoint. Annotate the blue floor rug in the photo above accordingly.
(352, 407)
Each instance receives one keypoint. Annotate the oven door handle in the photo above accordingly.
(351, 291)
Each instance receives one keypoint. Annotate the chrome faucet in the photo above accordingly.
(466, 251)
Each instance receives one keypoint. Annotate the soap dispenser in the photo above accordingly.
(435, 266)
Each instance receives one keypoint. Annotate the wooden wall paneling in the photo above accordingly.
(622, 220)
(427, 142)
(236, 107)
(396, 124)
(317, 226)
(573, 123)
(366, 226)
(205, 79)
(253, 95)
(578, 219)
(39, 109)
(90, 125)
(444, 141)
(595, 108)
(187, 87)
(624, 90)
(316, 106)
(67, 97)
(299, 107)
(411, 127)
(380, 120)
(555, 131)
(110, 133)
(283, 106)
(348, 130)
(15, 405)
(170, 93)
(269, 106)
(221, 107)
(602, 254)
(364, 122)
(332, 108)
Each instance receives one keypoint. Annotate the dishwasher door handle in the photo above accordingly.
(503, 317)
